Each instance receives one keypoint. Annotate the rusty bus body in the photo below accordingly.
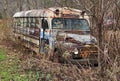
(53, 27)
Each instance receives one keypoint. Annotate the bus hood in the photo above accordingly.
(88, 39)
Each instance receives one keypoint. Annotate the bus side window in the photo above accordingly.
(18, 22)
(36, 23)
(32, 22)
(22, 22)
(14, 24)
(39, 22)
(25, 22)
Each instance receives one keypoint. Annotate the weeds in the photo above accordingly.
(7, 66)
(2, 55)
(19, 65)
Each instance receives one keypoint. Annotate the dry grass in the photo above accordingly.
(44, 70)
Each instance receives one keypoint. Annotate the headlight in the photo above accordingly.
(75, 51)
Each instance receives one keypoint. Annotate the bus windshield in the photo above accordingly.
(70, 23)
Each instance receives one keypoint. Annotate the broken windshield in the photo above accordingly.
(70, 23)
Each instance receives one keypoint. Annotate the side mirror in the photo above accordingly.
(44, 24)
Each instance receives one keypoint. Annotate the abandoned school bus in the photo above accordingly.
(56, 29)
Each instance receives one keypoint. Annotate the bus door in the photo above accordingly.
(44, 36)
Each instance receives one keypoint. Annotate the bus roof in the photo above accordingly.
(50, 12)
(29, 13)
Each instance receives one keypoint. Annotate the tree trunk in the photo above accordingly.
(5, 4)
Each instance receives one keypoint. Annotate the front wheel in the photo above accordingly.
(58, 56)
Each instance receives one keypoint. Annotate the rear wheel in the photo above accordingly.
(44, 46)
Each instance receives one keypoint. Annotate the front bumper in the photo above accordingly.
(90, 52)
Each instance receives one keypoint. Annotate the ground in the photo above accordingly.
(15, 65)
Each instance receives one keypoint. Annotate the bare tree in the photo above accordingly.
(20, 4)
(5, 7)
(101, 11)
(34, 4)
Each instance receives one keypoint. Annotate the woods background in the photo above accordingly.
(105, 25)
